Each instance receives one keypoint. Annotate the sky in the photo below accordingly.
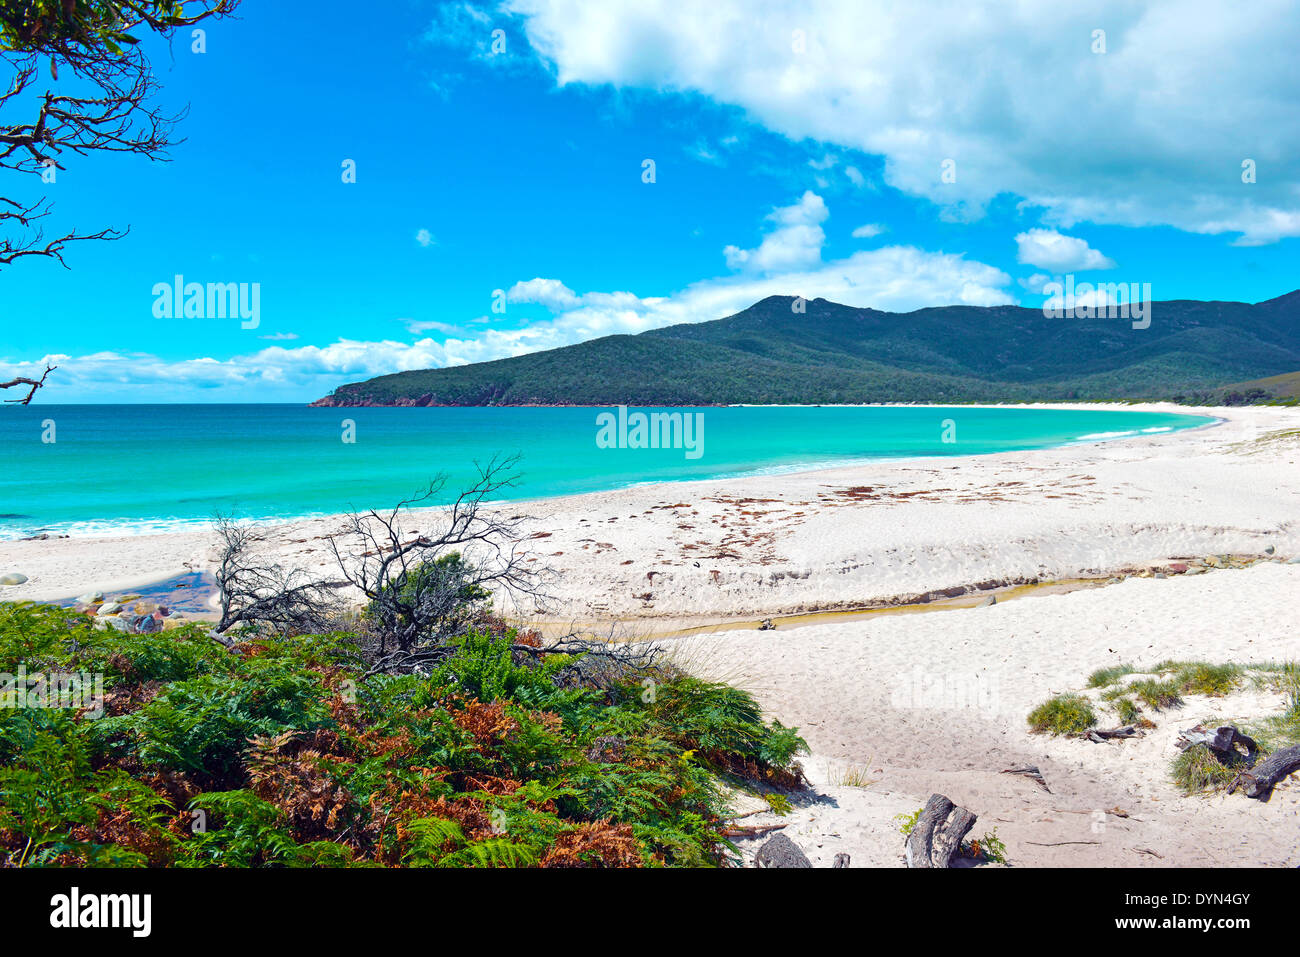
(535, 173)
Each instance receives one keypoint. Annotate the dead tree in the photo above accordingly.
(422, 586)
(265, 594)
(33, 383)
(938, 832)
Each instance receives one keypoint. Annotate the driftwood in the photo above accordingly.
(841, 860)
(1030, 771)
(1260, 780)
(757, 830)
(938, 833)
(780, 851)
(1224, 739)
(1097, 737)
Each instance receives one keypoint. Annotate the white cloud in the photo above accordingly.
(425, 238)
(280, 336)
(796, 242)
(1048, 249)
(550, 293)
(1151, 132)
(896, 278)
(868, 231)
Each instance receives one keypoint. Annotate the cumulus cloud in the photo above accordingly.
(795, 242)
(1035, 283)
(1153, 131)
(897, 278)
(868, 231)
(1049, 249)
(547, 292)
(788, 262)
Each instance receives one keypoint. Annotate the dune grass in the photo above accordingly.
(1063, 715)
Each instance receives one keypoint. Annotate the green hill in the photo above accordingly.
(839, 354)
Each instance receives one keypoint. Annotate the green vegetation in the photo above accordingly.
(1281, 731)
(1154, 693)
(1108, 676)
(907, 822)
(281, 752)
(1198, 770)
(1128, 711)
(838, 354)
(1064, 714)
(989, 848)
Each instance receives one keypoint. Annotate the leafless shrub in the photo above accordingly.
(422, 586)
(265, 594)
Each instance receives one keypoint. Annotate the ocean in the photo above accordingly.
(100, 469)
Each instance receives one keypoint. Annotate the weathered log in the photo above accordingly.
(1223, 739)
(1030, 771)
(780, 851)
(1259, 781)
(938, 833)
(1097, 737)
(841, 860)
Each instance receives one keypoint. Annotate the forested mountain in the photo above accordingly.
(832, 353)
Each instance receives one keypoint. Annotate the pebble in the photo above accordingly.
(13, 578)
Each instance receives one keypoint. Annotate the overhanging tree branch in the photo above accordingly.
(34, 383)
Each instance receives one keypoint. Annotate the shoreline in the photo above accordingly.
(144, 527)
(760, 540)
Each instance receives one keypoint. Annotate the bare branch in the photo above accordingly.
(34, 383)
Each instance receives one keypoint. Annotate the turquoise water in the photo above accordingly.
(141, 467)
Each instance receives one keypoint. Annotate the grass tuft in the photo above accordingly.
(1064, 714)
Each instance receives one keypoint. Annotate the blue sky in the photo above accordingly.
(778, 131)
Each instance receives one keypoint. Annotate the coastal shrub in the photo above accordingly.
(281, 751)
(1198, 770)
(1206, 679)
(1156, 694)
(434, 598)
(1064, 714)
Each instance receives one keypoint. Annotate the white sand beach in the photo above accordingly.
(659, 557)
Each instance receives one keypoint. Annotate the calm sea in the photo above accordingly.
(88, 469)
